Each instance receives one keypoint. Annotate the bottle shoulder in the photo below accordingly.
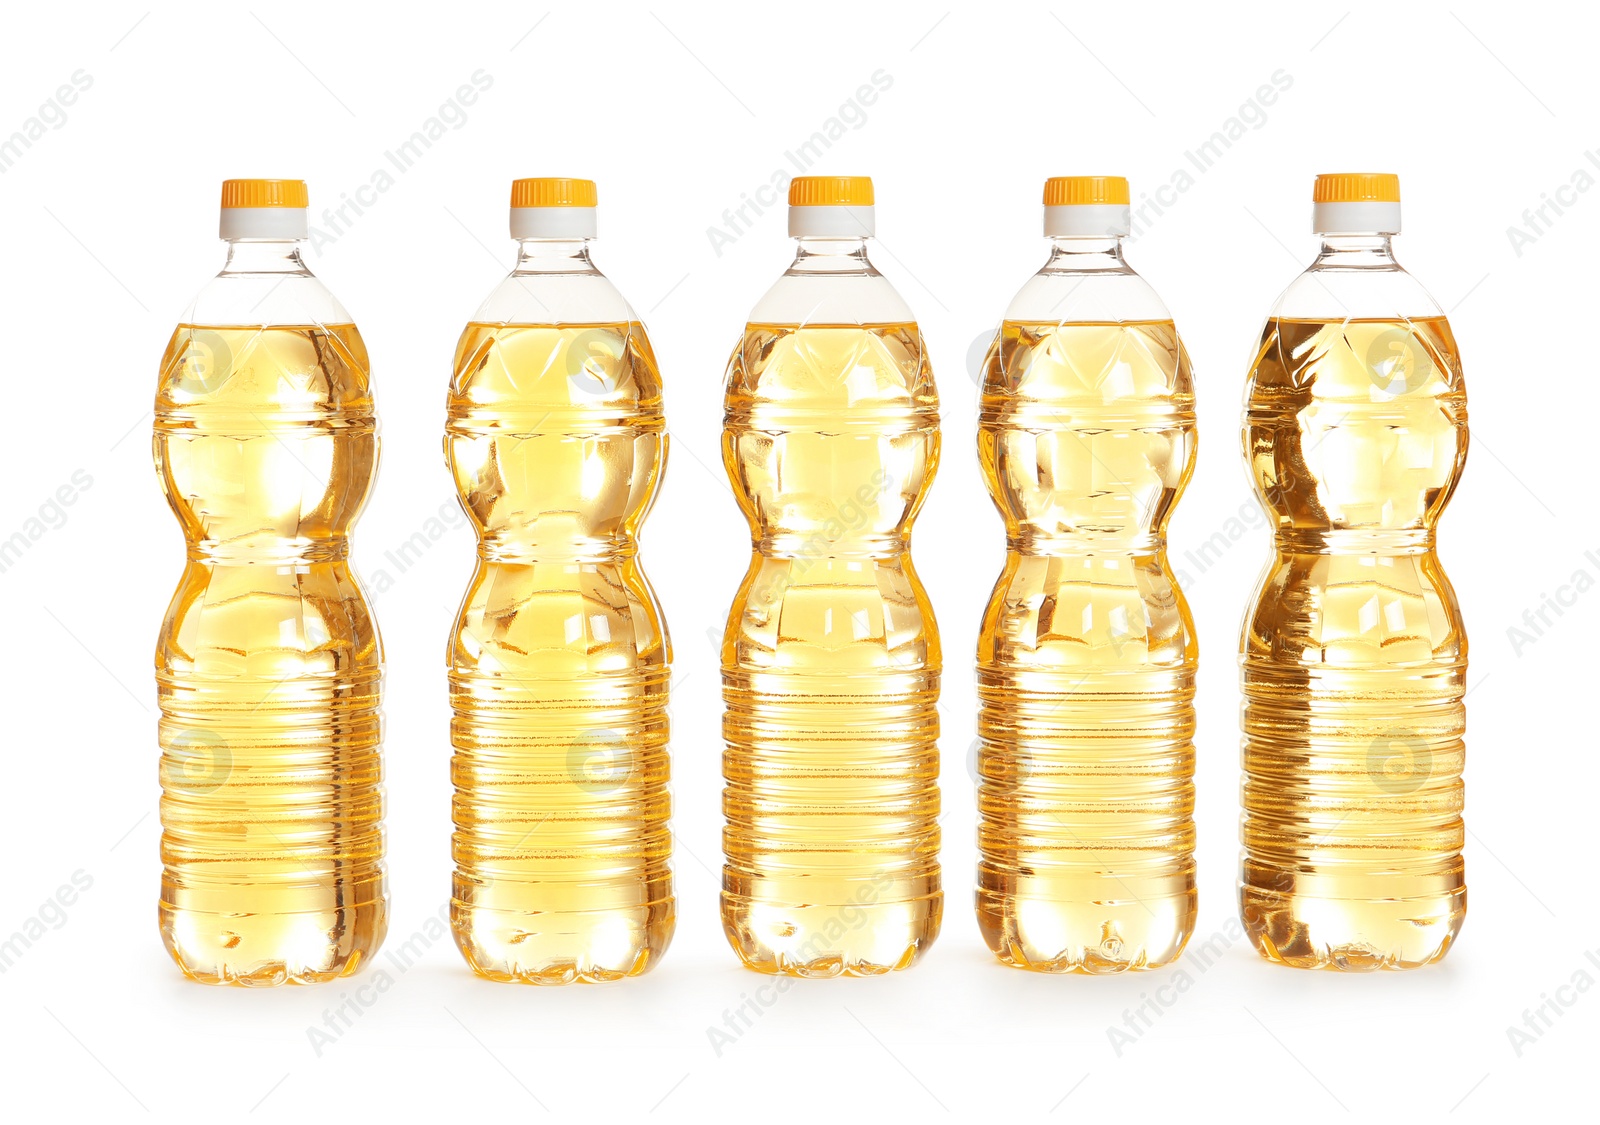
(865, 297)
(1356, 293)
(587, 297)
(1097, 296)
(265, 300)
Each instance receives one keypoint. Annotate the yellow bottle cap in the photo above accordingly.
(552, 191)
(264, 193)
(1086, 207)
(1076, 191)
(830, 191)
(1356, 203)
(1356, 187)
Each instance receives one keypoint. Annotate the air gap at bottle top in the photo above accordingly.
(1087, 653)
(830, 658)
(269, 665)
(1353, 654)
(559, 655)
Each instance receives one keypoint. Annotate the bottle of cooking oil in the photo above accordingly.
(269, 667)
(1353, 654)
(1087, 655)
(559, 656)
(830, 660)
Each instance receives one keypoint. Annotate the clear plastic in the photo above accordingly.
(559, 659)
(269, 665)
(1353, 654)
(830, 659)
(1087, 654)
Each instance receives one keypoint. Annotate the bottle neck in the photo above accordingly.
(553, 255)
(261, 255)
(831, 256)
(1356, 251)
(1078, 254)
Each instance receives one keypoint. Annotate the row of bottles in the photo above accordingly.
(1352, 654)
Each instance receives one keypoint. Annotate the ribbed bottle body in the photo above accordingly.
(1353, 655)
(830, 660)
(559, 670)
(1087, 655)
(269, 665)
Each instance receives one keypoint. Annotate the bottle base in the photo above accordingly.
(847, 940)
(266, 950)
(1078, 936)
(587, 947)
(1351, 935)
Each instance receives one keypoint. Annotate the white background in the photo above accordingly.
(108, 226)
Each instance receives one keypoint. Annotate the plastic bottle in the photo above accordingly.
(830, 659)
(1353, 654)
(559, 656)
(1087, 654)
(269, 666)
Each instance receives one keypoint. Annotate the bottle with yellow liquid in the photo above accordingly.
(269, 666)
(830, 658)
(1354, 657)
(559, 656)
(1087, 654)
